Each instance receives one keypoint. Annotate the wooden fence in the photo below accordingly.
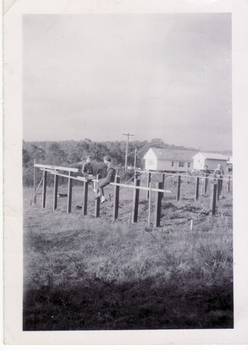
(159, 191)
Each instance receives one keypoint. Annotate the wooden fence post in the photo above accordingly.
(214, 199)
(44, 189)
(135, 201)
(162, 180)
(218, 189)
(55, 192)
(116, 198)
(148, 183)
(158, 205)
(229, 184)
(220, 182)
(217, 192)
(69, 194)
(149, 204)
(97, 203)
(197, 188)
(85, 198)
(178, 187)
(205, 184)
(34, 190)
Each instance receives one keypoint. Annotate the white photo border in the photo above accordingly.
(13, 219)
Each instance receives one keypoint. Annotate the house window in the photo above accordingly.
(180, 164)
(198, 160)
(150, 162)
(188, 165)
(172, 163)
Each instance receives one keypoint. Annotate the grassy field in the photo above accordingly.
(86, 273)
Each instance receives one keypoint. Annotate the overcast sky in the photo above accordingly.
(156, 76)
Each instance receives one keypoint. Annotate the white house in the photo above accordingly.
(168, 160)
(210, 159)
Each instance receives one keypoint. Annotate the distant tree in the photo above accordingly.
(81, 150)
(55, 155)
(131, 154)
(25, 157)
(116, 152)
(158, 143)
(74, 157)
(98, 150)
(37, 153)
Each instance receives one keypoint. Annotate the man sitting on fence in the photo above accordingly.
(87, 171)
(105, 181)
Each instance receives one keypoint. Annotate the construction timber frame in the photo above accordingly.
(159, 190)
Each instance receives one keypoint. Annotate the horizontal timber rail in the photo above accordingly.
(139, 187)
(55, 167)
(51, 169)
(167, 174)
(78, 178)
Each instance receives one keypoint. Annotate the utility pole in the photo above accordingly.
(135, 156)
(127, 148)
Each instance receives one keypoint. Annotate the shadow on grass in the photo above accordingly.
(100, 305)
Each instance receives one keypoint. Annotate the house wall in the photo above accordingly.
(151, 164)
(166, 165)
(186, 166)
(199, 161)
(213, 163)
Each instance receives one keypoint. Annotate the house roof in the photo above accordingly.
(216, 156)
(173, 155)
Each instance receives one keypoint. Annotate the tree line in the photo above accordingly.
(72, 153)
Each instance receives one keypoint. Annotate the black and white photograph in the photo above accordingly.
(127, 172)
(127, 188)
